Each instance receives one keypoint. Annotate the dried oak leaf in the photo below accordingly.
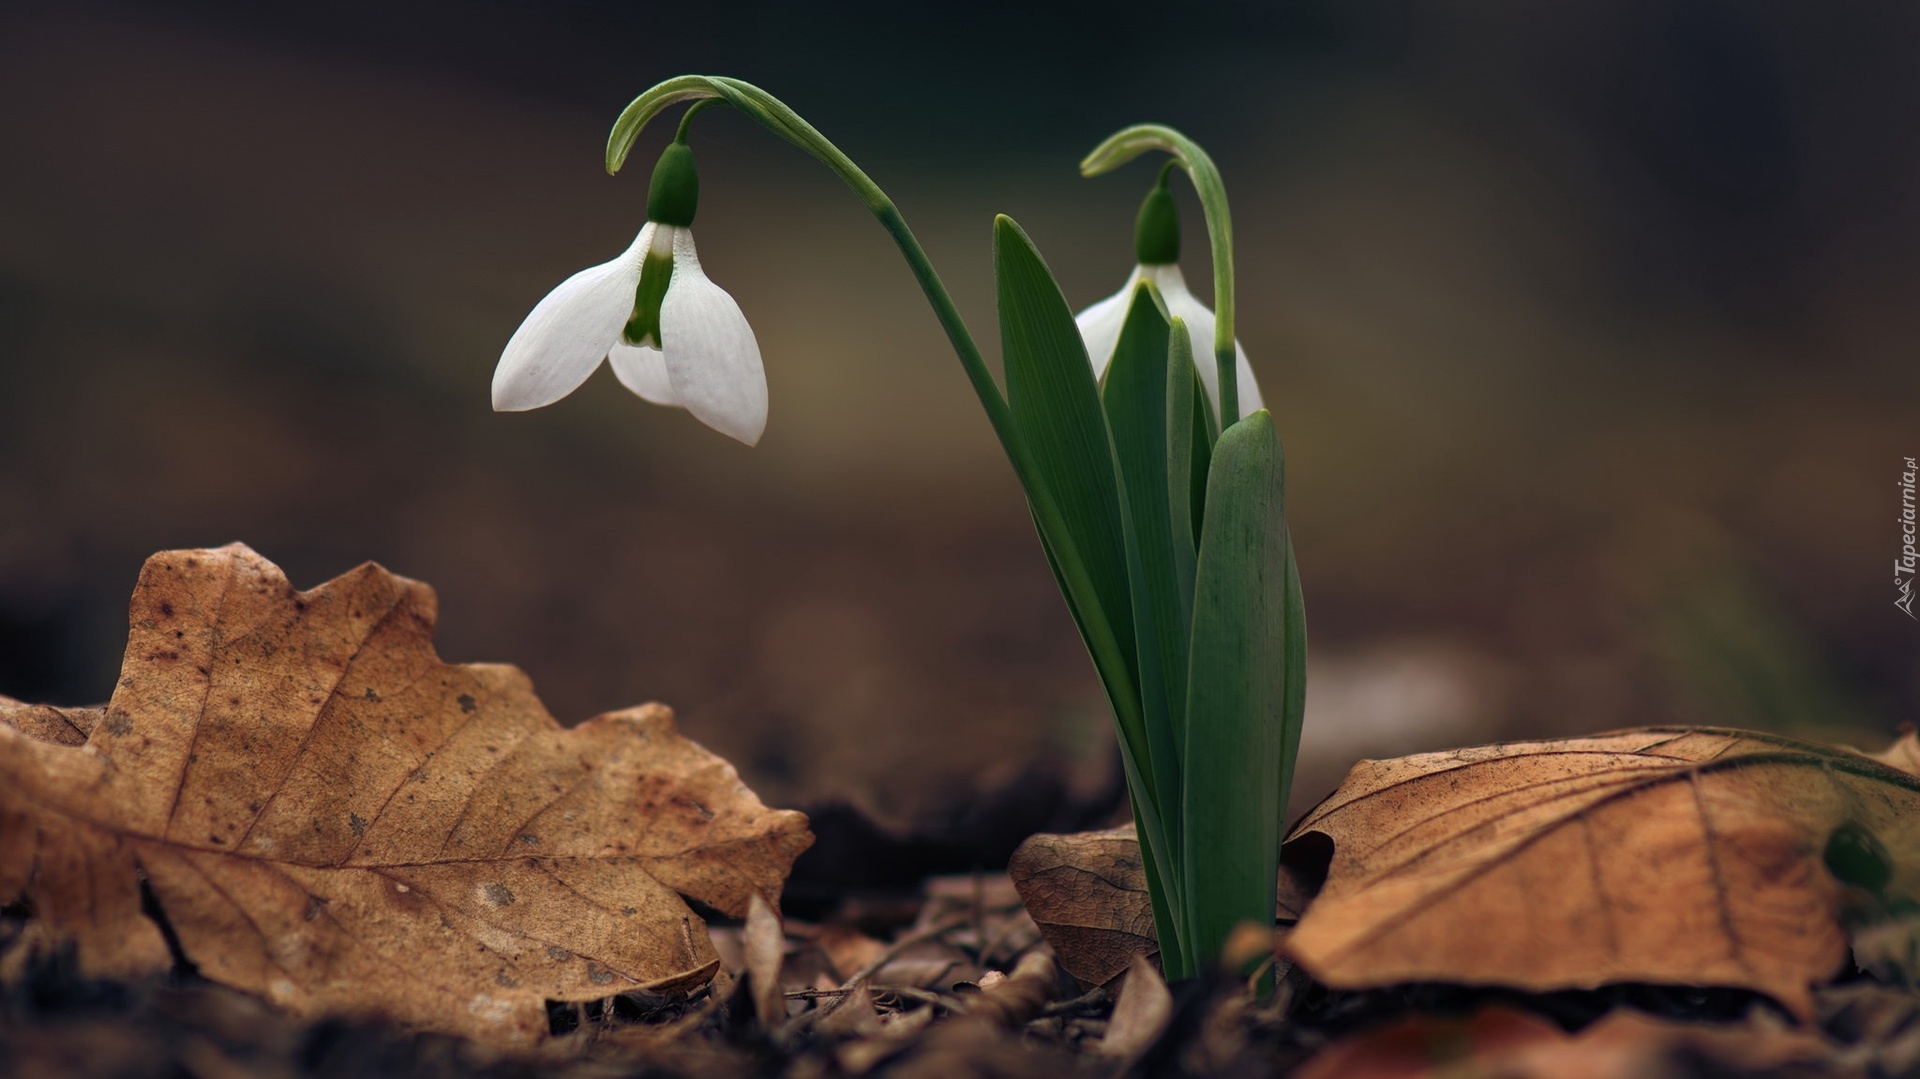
(331, 817)
(1689, 856)
(1500, 1043)
(1088, 894)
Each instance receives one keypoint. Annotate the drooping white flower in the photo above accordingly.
(673, 337)
(1100, 329)
(1156, 248)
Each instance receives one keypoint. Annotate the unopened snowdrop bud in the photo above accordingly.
(673, 337)
(1156, 231)
(1156, 244)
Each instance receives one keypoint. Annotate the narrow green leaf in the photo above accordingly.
(1238, 689)
(1182, 387)
(1205, 434)
(1153, 471)
(1056, 413)
(1176, 958)
(1189, 445)
(1153, 466)
(1155, 835)
(1294, 715)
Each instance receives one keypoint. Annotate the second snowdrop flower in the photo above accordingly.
(1156, 242)
(673, 337)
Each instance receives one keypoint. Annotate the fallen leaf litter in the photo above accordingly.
(143, 887)
(327, 815)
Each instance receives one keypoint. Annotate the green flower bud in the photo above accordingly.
(1156, 232)
(674, 193)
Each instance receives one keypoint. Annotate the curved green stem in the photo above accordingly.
(774, 115)
(1128, 143)
(686, 118)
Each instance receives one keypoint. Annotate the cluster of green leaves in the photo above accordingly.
(1167, 534)
(1182, 531)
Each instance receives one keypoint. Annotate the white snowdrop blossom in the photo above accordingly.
(1100, 328)
(694, 350)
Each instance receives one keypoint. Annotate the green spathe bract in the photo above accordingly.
(1167, 534)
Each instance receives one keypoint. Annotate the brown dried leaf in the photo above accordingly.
(1088, 893)
(1140, 1013)
(1500, 1043)
(330, 816)
(766, 948)
(1684, 856)
(848, 950)
(61, 726)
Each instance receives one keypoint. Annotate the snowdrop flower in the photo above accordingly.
(673, 337)
(1156, 241)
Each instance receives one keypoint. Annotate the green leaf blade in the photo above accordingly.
(1293, 716)
(1152, 450)
(1241, 686)
(1189, 445)
(1056, 413)
(1205, 434)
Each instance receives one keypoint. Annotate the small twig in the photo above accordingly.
(815, 994)
(1010, 1004)
(920, 996)
(941, 974)
(861, 976)
(1091, 1000)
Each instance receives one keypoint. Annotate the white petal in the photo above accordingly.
(1199, 319)
(712, 358)
(643, 370)
(1100, 324)
(569, 332)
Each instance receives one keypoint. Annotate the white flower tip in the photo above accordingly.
(744, 422)
(568, 333)
(522, 387)
(506, 400)
(739, 410)
(748, 436)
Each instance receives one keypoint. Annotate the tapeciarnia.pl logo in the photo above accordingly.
(1903, 566)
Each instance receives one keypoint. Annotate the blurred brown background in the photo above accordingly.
(1589, 327)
